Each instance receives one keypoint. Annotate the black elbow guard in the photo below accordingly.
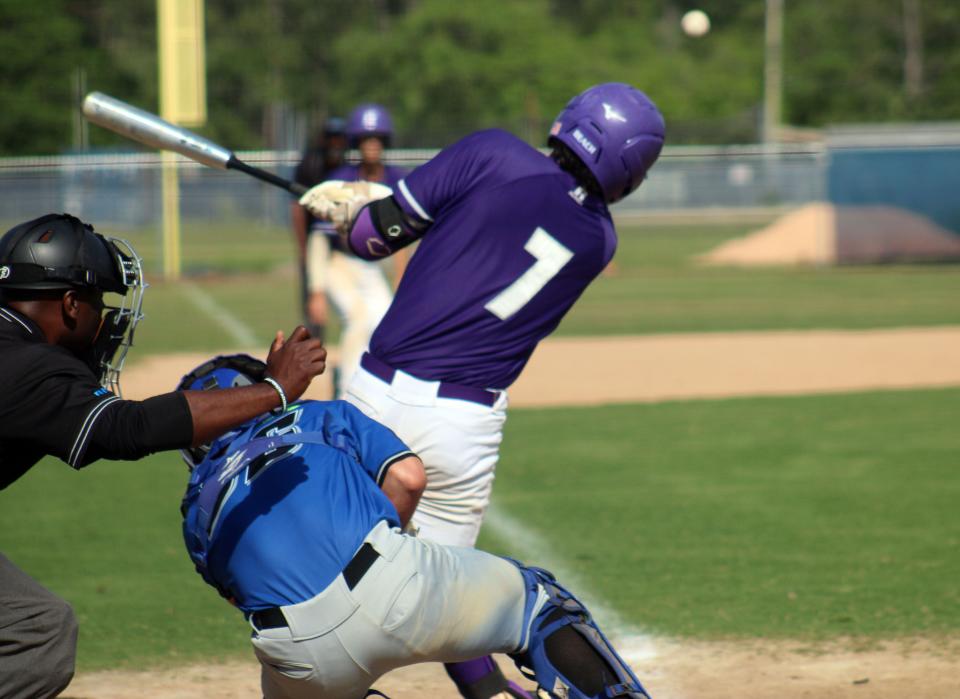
(397, 228)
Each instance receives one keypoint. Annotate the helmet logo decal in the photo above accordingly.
(587, 144)
(611, 114)
(369, 119)
(4, 272)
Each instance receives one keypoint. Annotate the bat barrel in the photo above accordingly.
(151, 130)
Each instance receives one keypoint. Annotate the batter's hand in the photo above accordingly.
(293, 363)
(339, 201)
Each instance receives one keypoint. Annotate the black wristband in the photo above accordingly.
(397, 229)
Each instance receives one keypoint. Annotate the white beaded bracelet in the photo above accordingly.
(276, 385)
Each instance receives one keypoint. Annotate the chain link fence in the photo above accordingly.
(123, 189)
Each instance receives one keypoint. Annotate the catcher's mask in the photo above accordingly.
(223, 371)
(60, 252)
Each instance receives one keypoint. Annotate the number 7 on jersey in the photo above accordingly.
(551, 255)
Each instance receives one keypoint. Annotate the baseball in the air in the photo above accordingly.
(695, 23)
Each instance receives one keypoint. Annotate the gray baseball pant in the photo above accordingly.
(38, 637)
(419, 602)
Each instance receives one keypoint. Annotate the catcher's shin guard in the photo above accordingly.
(563, 650)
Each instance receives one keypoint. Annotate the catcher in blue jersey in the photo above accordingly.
(295, 518)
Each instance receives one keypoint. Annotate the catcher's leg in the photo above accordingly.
(563, 649)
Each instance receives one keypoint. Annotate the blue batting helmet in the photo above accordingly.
(369, 120)
(616, 131)
(224, 371)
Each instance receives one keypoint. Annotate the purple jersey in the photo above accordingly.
(512, 243)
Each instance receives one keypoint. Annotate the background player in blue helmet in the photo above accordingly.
(324, 154)
(509, 240)
(295, 518)
(358, 289)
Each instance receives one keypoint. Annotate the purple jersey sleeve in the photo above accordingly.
(452, 174)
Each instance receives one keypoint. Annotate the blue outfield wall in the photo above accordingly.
(923, 180)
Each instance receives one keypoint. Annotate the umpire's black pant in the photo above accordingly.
(38, 637)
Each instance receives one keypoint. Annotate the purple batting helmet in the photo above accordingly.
(369, 120)
(616, 131)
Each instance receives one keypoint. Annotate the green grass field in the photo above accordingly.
(656, 288)
(809, 518)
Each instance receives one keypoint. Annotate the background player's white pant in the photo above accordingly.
(361, 296)
(458, 442)
(317, 261)
(419, 602)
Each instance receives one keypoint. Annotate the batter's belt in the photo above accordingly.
(386, 373)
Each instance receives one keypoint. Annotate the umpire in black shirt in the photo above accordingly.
(61, 352)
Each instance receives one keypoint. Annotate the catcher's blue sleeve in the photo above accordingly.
(374, 446)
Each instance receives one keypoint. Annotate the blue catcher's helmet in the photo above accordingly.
(616, 131)
(224, 371)
(369, 120)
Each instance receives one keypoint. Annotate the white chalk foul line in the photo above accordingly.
(240, 333)
(630, 641)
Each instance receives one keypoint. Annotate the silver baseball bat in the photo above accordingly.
(149, 129)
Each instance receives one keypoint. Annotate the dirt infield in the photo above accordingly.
(688, 670)
(588, 371)
(593, 371)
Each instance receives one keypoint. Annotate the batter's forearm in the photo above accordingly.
(365, 241)
(381, 229)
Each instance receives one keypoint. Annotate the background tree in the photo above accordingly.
(276, 68)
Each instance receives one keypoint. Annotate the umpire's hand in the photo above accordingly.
(293, 363)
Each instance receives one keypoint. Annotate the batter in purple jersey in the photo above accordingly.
(513, 242)
(509, 240)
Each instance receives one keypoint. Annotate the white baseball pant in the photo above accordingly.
(317, 261)
(457, 440)
(418, 602)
